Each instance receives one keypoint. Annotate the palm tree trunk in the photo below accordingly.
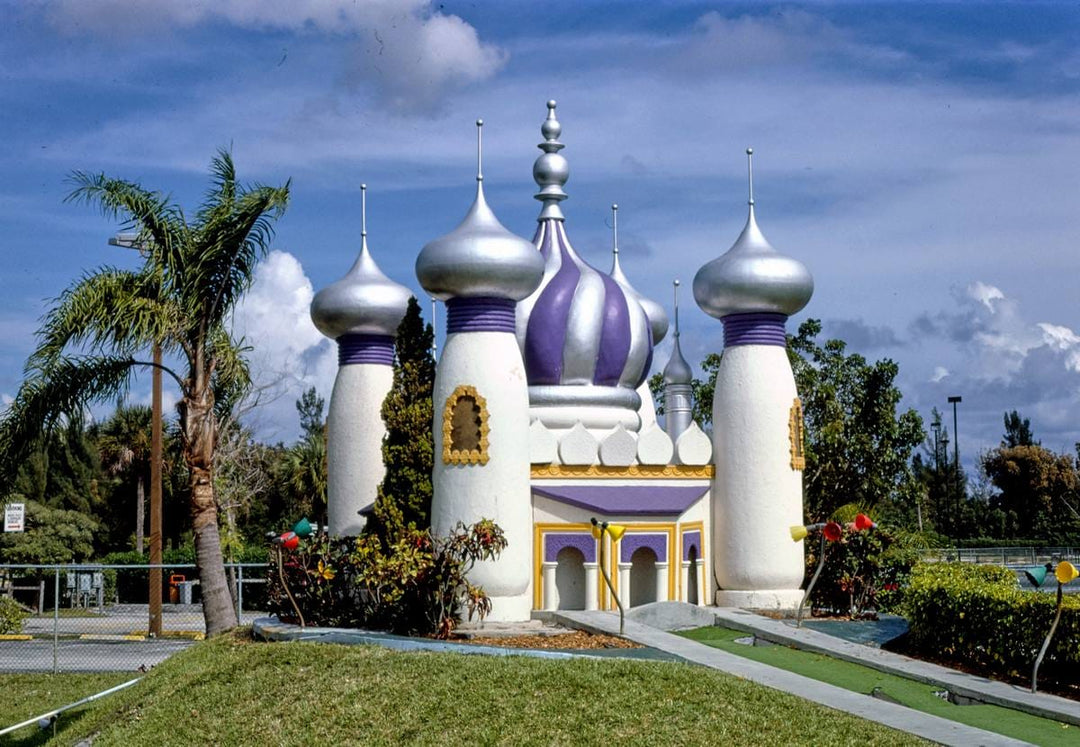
(140, 513)
(199, 429)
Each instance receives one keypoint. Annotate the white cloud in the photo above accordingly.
(940, 372)
(288, 354)
(985, 294)
(1058, 337)
(410, 54)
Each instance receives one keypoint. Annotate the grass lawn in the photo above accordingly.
(231, 691)
(28, 695)
(908, 692)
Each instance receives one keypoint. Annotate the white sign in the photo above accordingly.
(14, 517)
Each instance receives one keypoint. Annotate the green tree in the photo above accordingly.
(404, 497)
(1033, 486)
(310, 408)
(124, 444)
(305, 470)
(194, 271)
(858, 446)
(1018, 431)
(52, 535)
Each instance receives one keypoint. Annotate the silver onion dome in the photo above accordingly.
(752, 276)
(677, 370)
(658, 318)
(365, 301)
(480, 257)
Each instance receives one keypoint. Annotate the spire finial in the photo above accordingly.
(363, 210)
(551, 169)
(676, 292)
(479, 150)
(750, 172)
(615, 230)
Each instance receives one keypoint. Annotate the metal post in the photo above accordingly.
(239, 593)
(56, 621)
(956, 449)
(155, 499)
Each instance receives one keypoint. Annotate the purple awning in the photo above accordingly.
(634, 500)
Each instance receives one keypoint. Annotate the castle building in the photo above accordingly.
(544, 420)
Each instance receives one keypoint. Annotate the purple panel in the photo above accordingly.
(614, 335)
(480, 314)
(546, 332)
(631, 542)
(691, 539)
(626, 500)
(754, 329)
(357, 348)
(553, 543)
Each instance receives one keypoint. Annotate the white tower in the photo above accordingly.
(362, 312)
(481, 397)
(757, 420)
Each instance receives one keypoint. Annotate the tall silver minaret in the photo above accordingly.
(678, 380)
(757, 419)
(362, 312)
(481, 270)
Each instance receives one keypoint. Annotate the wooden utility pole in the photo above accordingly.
(155, 497)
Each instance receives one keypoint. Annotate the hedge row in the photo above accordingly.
(979, 615)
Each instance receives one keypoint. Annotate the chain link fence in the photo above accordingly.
(1010, 557)
(97, 618)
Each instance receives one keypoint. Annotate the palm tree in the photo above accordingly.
(124, 444)
(192, 274)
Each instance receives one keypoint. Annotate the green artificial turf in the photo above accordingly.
(24, 696)
(229, 691)
(908, 692)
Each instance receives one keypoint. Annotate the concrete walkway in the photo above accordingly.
(898, 717)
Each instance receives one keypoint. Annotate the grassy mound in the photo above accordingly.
(234, 691)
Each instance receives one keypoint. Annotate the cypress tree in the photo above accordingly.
(408, 450)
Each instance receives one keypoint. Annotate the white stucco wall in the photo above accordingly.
(499, 490)
(355, 432)
(757, 495)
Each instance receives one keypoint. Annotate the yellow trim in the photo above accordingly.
(796, 436)
(539, 530)
(658, 471)
(690, 526)
(464, 456)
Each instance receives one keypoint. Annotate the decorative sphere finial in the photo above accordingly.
(363, 210)
(750, 172)
(479, 150)
(551, 169)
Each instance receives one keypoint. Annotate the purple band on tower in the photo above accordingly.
(760, 328)
(358, 348)
(482, 314)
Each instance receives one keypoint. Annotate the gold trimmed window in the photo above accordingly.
(465, 427)
(797, 436)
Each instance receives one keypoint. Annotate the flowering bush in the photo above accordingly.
(865, 572)
(414, 583)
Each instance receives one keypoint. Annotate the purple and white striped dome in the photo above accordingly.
(580, 327)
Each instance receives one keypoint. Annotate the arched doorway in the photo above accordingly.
(642, 576)
(691, 576)
(570, 578)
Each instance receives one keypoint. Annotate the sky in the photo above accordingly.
(919, 158)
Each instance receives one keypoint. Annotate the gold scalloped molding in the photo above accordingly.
(653, 471)
(451, 455)
(795, 436)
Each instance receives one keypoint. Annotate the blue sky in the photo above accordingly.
(921, 160)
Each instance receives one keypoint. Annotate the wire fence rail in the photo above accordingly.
(96, 617)
(1010, 557)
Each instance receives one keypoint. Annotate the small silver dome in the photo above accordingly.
(365, 301)
(658, 318)
(480, 257)
(752, 276)
(677, 370)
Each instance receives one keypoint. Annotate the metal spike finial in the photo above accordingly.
(479, 150)
(434, 343)
(615, 230)
(551, 169)
(750, 172)
(676, 292)
(363, 210)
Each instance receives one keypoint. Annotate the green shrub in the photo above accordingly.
(413, 584)
(12, 615)
(979, 615)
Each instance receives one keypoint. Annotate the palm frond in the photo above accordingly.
(162, 229)
(222, 194)
(61, 389)
(232, 377)
(107, 309)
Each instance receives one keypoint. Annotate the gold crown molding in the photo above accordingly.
(451, 455)
(637, 471)
(796, 436)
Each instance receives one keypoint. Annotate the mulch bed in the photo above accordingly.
(572, 639)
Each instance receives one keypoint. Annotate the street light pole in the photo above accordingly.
(954, 400)
(129, 241)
